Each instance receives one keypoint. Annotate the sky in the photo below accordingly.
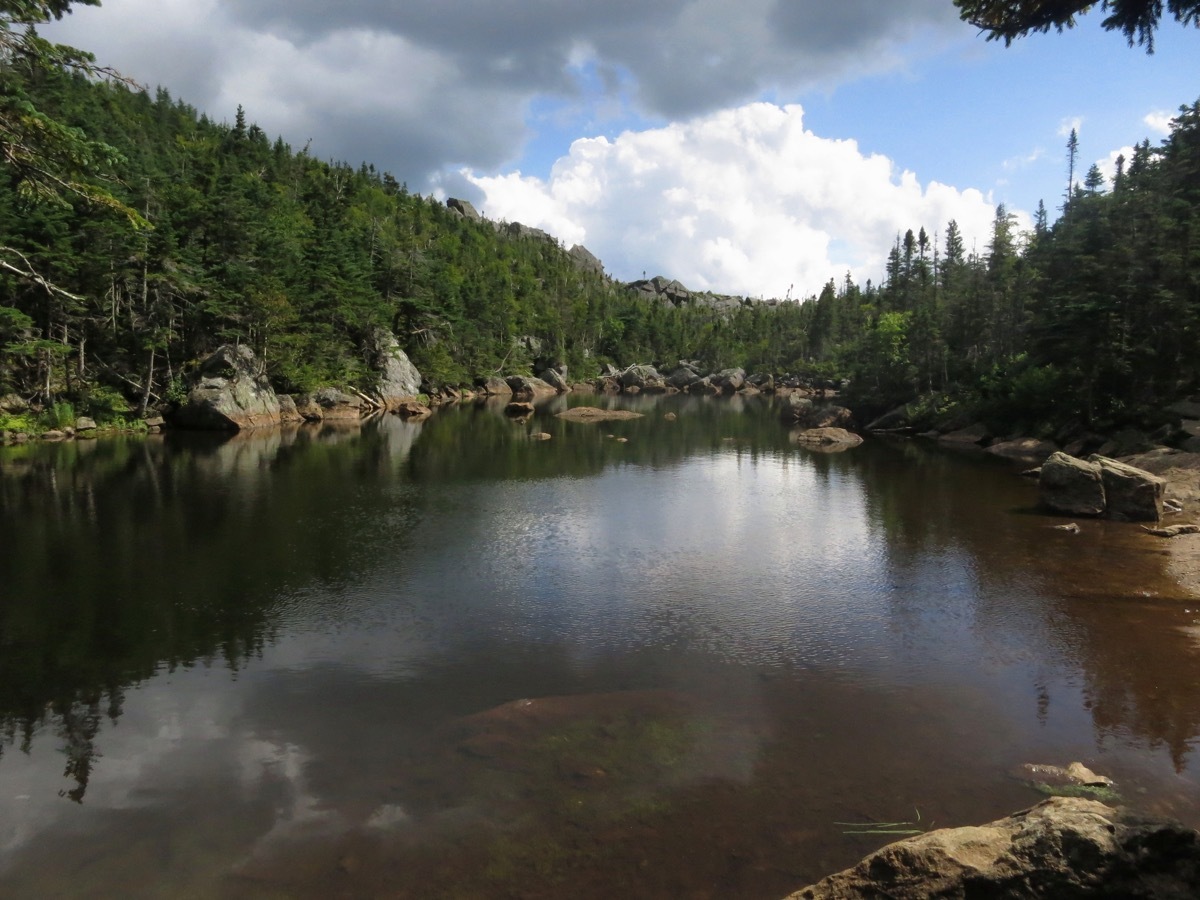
(751, 147)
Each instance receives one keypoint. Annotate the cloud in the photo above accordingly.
(1159, 121)
(416, 85)
(1108, 165)
(744, 200)
(1066, 126)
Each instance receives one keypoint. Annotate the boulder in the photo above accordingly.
(85, 423)
(463, 208)
(683, 378)
(412, 409)
(399, 379)
(1063, 847)
(288, 414)
(828, 439)
(526, 388)
(704, 386)
(230, 393)
(641, 377)
(1023, 448)
(12, 403)
(792, 407)
(556, 378)
(1071, 486)
(54, 435)
(334, 405)
(1131, 494)
(306, 407)
(608, 384)
(494, 387)
(730, 381)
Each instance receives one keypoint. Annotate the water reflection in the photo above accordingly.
(445, 660)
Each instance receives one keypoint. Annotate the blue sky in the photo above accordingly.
(743, 146)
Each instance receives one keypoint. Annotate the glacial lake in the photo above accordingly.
(440, 659)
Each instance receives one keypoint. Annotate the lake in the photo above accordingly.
(441, 659)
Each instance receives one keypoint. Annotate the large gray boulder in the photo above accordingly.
(642, 377)
(464, 208)
(494, 386)
(525, 388)
(1131, 494)
(683, 377)
(399, 379)
(556, 378)
(730, 380)
(1063, 847)
(1071, 486)
(230, 393)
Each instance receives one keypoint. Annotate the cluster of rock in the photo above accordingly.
(1099, 486)
(230, 392)
(1063, 847)
(660, 289)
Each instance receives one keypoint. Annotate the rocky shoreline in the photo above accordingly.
(1063, 847)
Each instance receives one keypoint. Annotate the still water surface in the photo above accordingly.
(443, 660)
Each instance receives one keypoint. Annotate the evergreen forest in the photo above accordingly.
(208, 232)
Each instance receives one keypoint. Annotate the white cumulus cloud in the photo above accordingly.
(743, 200)
(1158, 121)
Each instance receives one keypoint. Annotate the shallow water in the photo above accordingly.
(442, 660)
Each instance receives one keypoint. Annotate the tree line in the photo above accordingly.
(210, 232)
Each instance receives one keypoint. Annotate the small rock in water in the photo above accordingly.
(539, 436)
(1072, 528)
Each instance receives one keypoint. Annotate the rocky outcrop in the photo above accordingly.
(1064, 847)
(464, 209)
(1130, 494)
(585, 260)
(230, 393)
(399, 379)
(1071, 486)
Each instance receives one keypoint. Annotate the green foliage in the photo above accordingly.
(1008, 20)
(60, 415)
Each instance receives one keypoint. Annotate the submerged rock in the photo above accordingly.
(595, 414)
(829, 440)
(1063, 847)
